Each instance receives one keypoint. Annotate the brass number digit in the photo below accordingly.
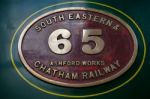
(54, 42)
(93, 36)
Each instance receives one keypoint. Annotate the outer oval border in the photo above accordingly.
(80, 96)
(108, 79)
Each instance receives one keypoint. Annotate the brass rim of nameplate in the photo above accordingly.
(28, 49)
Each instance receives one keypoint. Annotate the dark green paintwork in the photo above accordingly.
(13, 12)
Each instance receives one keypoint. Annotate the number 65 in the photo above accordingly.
(89, 35)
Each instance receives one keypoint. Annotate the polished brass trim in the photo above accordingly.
(85, 84)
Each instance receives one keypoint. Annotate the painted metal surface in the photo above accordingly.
(16, 82)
